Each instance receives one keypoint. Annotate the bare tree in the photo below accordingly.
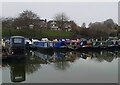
(102, 29)
(83, 25)
(60, 19)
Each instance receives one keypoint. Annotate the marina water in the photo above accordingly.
(63, 67)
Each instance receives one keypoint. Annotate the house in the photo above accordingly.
(43, 23)
(31, 26)
(52, 25)
(67, 26)
(56, 25)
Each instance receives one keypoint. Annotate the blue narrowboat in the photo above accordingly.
(45, 46)
(61, 45)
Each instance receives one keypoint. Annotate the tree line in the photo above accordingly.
(95, 30)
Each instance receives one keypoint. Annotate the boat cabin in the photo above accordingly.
(17, 45)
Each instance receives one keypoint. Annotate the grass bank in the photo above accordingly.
(36, 33)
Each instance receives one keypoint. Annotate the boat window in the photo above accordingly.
(97, 43)
(110, 43)
(17, 40)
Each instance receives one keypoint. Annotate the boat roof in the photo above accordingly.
(16, 37)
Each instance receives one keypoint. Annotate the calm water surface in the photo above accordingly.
(59, 67)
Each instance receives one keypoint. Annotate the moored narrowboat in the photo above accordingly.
(105, 45)
(61, 45)
(17, 45)
(73, 44)
(43, 45)
(28, 44)
(85, 45)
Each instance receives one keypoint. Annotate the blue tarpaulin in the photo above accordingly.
(57, 44)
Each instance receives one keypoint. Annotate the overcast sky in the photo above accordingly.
(78, 11)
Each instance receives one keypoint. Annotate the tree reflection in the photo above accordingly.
(60, 61)
(31, 68)
(62, 65)
(104, 56)
(99, 56)
(32, 63)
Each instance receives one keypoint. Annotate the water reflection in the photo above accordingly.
(61, 61)
(32, 63)
(105, 56)
(17, 71)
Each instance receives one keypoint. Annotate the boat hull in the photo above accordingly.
(45, 50)
(62, 49)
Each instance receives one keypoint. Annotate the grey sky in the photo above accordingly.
(78, 11)
(119, 13)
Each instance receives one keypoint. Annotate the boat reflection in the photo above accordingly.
(17, 72)
(74, 55)
(61, 61)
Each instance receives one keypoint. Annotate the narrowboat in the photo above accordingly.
(16, 46)
(61, 45)
(105, 45)
(113, 45)
(96, 44)
(109, 45)
(28, 45)
(85, 45)
(45, 46)
(73, 44)
(100, 45)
